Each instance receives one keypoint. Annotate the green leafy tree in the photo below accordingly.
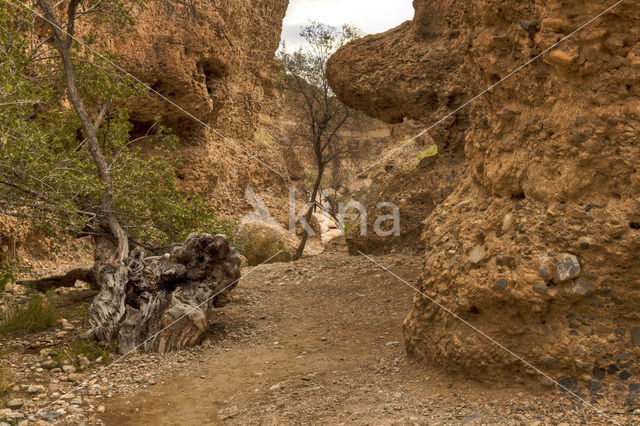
(68, 163)
(322, 115)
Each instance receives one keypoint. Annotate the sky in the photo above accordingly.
(372, 16)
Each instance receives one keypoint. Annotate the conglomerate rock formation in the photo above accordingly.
(539, 245)
(216, 61)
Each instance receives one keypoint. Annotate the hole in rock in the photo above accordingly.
(213, 71)
(163, 88)
(474, 310)
(141, 129)
(634, 225)
(518, 196)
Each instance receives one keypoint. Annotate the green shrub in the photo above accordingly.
(39, 314)
(5, 389)
(262, 245)
(92, 350)
(7, 273)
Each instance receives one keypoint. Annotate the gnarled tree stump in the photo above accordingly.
(163, 303)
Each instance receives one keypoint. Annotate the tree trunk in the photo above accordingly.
(68, 280)
(63, 43)
(305, 234)
(163, 303)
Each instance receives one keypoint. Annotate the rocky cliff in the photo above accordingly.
(538, 245)
(216, 61)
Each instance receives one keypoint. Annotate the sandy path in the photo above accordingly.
(326, 350)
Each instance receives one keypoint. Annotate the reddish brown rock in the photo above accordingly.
(563, 163)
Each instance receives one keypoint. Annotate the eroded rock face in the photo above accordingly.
(552, 153)
(217, 63)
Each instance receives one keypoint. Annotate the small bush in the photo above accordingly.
(7, 273)
(5, 389)
(39, 314)
(262, 245)
(91, 350)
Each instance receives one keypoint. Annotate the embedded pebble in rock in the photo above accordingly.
(599, 373)
(530, 26)
(581, 286)
(540, 287)
(507, 223)
(567, 268)
(635, 336)
(547, 382)
(478, 254)
(546, 269)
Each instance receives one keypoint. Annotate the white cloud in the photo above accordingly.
(373, 16)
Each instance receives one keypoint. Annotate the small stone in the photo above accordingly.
(49, 415)
(540, 287)
(581, 286)
(501, 283)
(76, 401)
(101, 409)
(612, 369)
(276, 387)
(599, 373)
(48, 364)
(546, 382)
(594, 385)
(69, 369)
(507, 223)
(634, 388)
(530, 26)
(546, 269)
(624, 375)
(505, 260)
(562, 57)
(635, 336)
(33, 389)
(84, 361)
(553, 24)
(567, 268)
(15, 404)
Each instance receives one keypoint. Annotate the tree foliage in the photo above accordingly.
(321, 115)
(47, 175)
